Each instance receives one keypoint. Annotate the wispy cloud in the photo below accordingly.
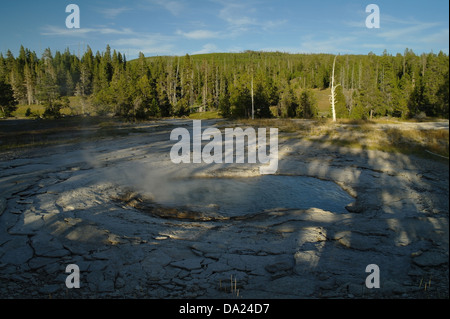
(175, 7)
(199, 34)
(112, 13)
(56, 31)
(207, 48)
(236, 14)
(147, 43)
(393, 33)
(242, 17)
(51, 30)
(332, 44)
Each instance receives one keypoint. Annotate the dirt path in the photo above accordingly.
(59, 206)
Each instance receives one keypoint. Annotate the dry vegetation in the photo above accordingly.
(374, 134)
(384, 135)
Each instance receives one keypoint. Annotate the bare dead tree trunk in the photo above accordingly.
(253, 104)
(333, 93)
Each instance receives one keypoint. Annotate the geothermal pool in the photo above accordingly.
(241, 196)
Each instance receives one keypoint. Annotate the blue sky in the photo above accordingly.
(177, 27)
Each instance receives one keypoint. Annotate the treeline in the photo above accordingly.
(274, 83)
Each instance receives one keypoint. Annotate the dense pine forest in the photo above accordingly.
(277, 84)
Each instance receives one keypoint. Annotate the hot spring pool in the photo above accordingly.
(249, 195)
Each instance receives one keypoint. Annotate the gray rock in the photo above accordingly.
(2, 205)
(97, 283)
(356, 290)
(17, 251)
(394, 288)
(355, 207)
(431, 259)
(218, 267)
(39, 262)
(4, 237)
(328, 284)
(106, 285)
(156, 258)
(188, 264)
(155, 274)
(50, 289)
(306, 261)
(47, 246)
(356, 241)
(282, 264)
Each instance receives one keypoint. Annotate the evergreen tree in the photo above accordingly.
(7, 101)
(288, 103)
(308, 105)
(341, 105)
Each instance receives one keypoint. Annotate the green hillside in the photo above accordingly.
(234, 85)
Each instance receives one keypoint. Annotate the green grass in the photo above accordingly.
(22, 109)
(323, 100)
(360, 134)
(205, 115)
(75, 108)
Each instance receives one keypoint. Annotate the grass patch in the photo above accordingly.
(361, 134)
(366, 135)
(35, 109)
(205, 115)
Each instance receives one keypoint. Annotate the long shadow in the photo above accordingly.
(399, 221)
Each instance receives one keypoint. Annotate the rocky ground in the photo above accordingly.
(76, 204)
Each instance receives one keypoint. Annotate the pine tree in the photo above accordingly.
(7, 101)
(307, 105)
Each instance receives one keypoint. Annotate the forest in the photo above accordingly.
(277, 84)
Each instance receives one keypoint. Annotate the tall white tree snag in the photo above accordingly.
(253, 103)
(333, 93)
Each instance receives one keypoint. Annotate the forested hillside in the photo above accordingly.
(280, 84)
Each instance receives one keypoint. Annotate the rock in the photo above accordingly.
(356, 241)
(431, 259)
(47, 246)
(188, 264)
(328, 284)
(17, 251)
(207, 248)
(2, 205)
(106, 286)
(293, 286)
(312, 235)
(156, 258)
(50, 289)
(394, 288)
(354, 207)
(39, 262)
(355, 290)
(98, 283)
(218, 267)
(4, 237)
(282, 266)
(155, 274)
(179, 282)
(306, 261)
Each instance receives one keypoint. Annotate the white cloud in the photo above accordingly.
(147, 43)
(199, 34)
(207, 48)
(175, 7)
(51, 30)
(332, 44)
(400, 33)
(233, 13)
(112, 13)
(241, 18)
